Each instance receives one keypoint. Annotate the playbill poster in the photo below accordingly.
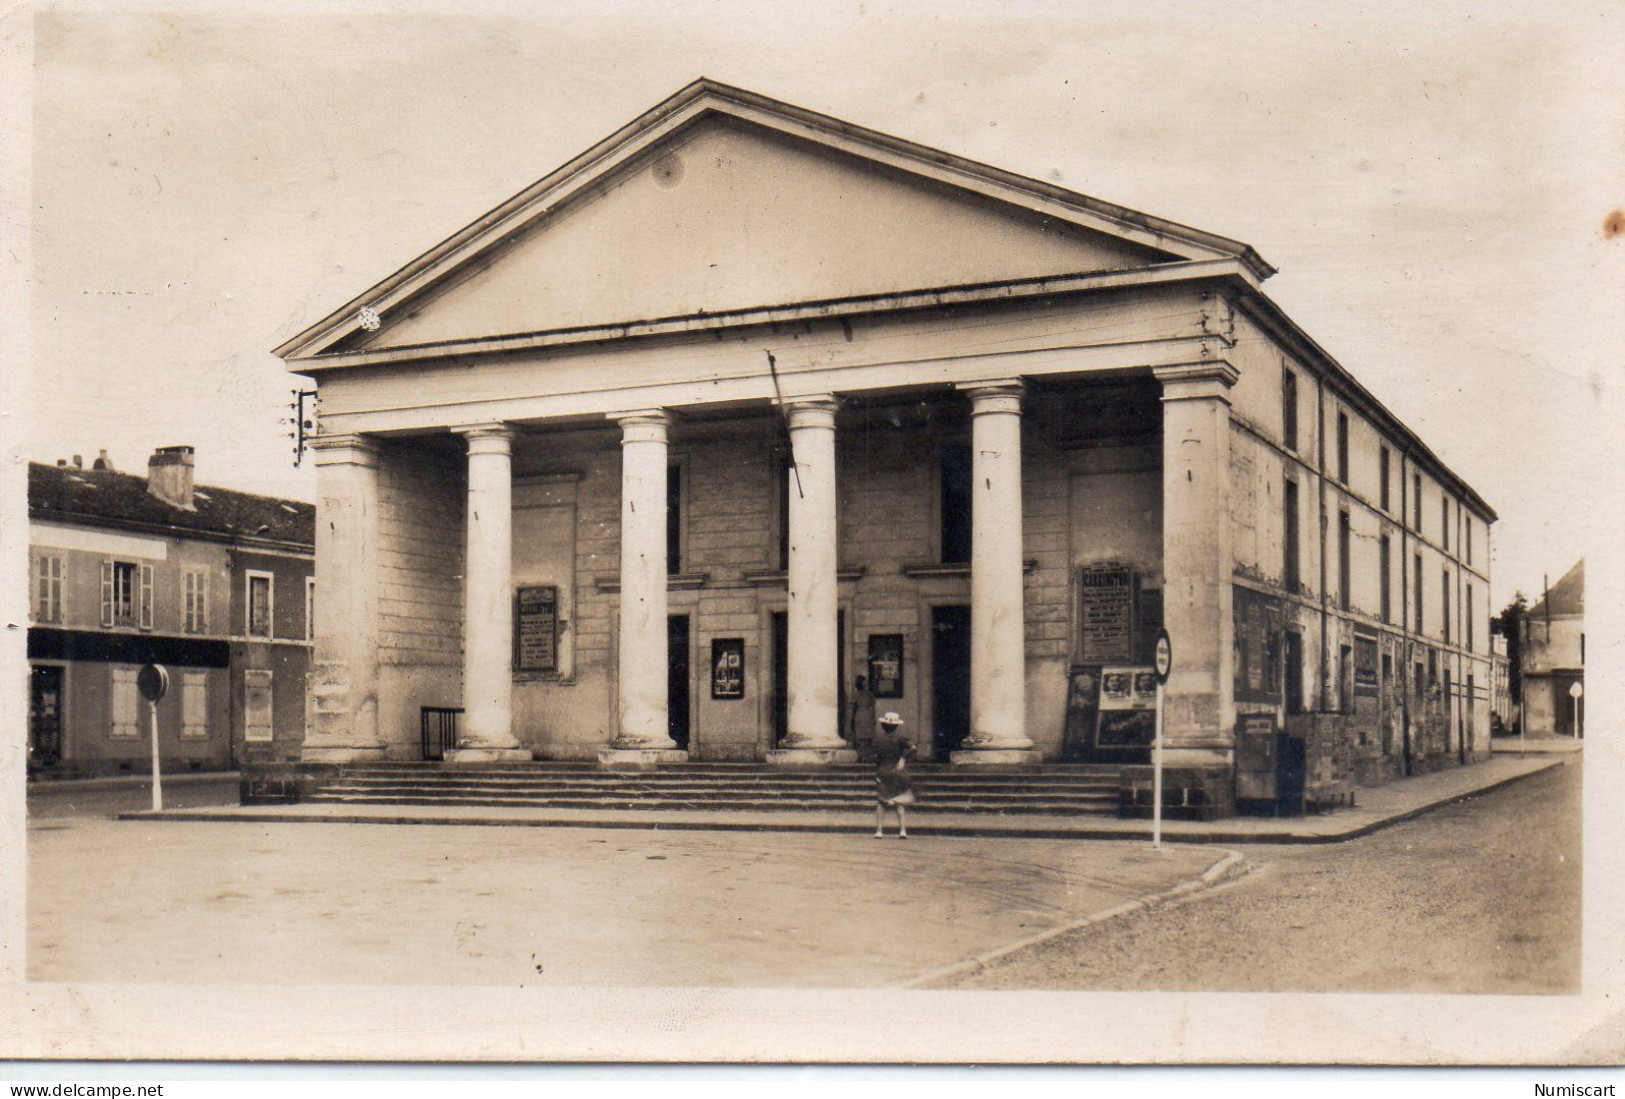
(836, 348)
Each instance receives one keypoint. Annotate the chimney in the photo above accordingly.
(169, 475)
(103, 462)
(78, 461)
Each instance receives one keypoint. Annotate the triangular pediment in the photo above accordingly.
(720, 201)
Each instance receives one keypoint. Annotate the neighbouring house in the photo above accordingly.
(215, 585)
(1553, 656)
(654, 461)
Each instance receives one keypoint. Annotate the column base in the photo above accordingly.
(316, 753)
(810, 757)
(640, 759)
(995, 757)
(489, 755)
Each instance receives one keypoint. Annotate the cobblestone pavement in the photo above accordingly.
(350, 903)
(1482, 896)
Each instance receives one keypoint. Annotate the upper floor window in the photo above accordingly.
(1383, 473)
(1416, 594)
(310, 608)
(1345, 571)
(1289, 409)
(1444, 522)
(1444, 590)
(1385, 578)
(1343, 447)
(48, 589)
(126, 594)
(260, 595)
(1289, 536)
(1416, 502)
(1468, 548)
(195, 601)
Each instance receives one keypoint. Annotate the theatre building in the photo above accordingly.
(748, 423)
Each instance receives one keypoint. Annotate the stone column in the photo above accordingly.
(344, 676)
(1199, 719)
(814, 717)
(643, 738)
(998, 663)
(485, 733)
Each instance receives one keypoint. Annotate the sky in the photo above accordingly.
(1432, 181)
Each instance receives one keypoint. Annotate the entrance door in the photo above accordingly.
(678, 679)
(45, 716)
(781, 673)
(950, 679)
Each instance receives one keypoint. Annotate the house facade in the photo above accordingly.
(749, 422)
(1552, 655)
(127, 571)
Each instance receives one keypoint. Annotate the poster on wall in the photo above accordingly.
(1106, 612)
(536, 629)
(886, 665)
(728, 667)
(1128, 708)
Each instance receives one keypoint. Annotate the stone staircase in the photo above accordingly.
(1054, 790)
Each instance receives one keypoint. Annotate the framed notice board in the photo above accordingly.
(536, 629)
(886, 665)
(728, 667)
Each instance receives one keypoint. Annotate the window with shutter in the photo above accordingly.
(257, 700)
(195, 705)
(146, 597)
(107, 593)
(125, 707)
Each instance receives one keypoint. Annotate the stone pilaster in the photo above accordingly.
(1199, 719)
(344, 676)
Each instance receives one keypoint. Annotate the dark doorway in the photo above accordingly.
(781, 672)
(950, 679)
(45, 716)
(678, 679)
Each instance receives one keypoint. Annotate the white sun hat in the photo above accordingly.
(891, 718)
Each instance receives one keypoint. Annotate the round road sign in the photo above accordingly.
(153, 682)
(1575, 690)
(1165, 656)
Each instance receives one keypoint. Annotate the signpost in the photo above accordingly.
(153, 683)
(1575, 693)
(1164, 664)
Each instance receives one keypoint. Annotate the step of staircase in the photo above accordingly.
(727, 787)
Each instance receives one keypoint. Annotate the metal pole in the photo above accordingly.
(157, 780)
(1156, 779)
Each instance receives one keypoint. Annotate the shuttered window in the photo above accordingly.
(259, 604)
(126, 594)
(48, 589)
(257, 701)
(195, 601)
(125, 704)
(195, 705)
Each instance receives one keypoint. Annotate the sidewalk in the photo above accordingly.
(128, 782)
(1535, 745)
(1378, 807)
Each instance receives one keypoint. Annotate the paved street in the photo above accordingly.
(342, 903)
(1482, 896)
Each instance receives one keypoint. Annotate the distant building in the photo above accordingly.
(215, 585)
(1553, 658)
(1501, 703)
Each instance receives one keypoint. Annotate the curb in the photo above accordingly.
(1232, 865)
(958, 831)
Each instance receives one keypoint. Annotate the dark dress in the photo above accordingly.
(892, 783)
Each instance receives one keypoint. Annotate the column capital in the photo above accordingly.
(646, 425)
(994, 395)
(340, 450)
(1197, 381)
(492, 438)
(813, 410)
